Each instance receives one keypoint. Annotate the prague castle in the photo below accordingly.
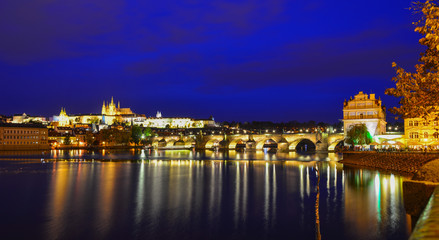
(111, 113)
(111, 109)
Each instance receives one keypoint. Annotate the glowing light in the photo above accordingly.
(392, 184)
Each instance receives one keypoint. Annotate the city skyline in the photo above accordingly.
(239, 61)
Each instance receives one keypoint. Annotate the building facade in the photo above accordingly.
(364, 108)
(109, 114)
(24, 118)
(110, 109)
(23, 136)
(421, 133)
(173, 122)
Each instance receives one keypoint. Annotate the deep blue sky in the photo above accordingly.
(236, 60)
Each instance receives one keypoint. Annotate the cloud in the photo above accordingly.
(41, 30)
(47, 29)
(367, 54)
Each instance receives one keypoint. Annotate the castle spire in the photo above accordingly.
(112, 103)
(104, 109)
(118, 104)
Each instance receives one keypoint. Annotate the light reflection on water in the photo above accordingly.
(169, 195)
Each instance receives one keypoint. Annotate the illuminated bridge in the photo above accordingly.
(282, 142)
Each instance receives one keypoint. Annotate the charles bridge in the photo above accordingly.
(282, 142)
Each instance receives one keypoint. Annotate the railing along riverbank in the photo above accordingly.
(404, 162)
(427, 226)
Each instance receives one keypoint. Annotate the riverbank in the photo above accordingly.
(417, 191)
(402, 162)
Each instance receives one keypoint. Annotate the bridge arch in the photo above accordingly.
(190, 143)
(179, 143)
(302, 144)
(266, 142)
(333, 145)
(235, 142)
(212, 143)
(170, 143)
(162, 143)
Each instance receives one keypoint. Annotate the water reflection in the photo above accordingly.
(183, 198)
(148, 154)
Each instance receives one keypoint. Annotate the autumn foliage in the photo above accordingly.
(419, 91)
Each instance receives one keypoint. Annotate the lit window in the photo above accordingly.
(414, 135)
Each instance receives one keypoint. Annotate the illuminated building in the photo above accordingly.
(420, 132)
(24, 118)
(109, 114)
(110, 109)
(23, 136)
(57, 138)
(63, 119)
(3, 119)
(164, 122)
(365, 109)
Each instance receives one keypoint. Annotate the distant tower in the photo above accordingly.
(159, 114)
(104, 109)
(63, 119)
(111, 110)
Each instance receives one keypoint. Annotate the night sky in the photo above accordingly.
(236, 60)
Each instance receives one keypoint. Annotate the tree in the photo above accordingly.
(89, 138)
(147, 132)
(419, 91)
(124, 137)
(358, 135)
(136, 134)
(67, 140)
(146, 135)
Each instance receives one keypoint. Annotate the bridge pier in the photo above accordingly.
(282, 146)
(250, 145)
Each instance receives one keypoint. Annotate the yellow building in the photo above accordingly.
(364, 108)
(23, 136)
(420, 133)
(24, 118)
(63, 118)
(109, 114)
(174, 122)
(110, 109)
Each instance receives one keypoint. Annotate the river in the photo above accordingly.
(182, 194)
